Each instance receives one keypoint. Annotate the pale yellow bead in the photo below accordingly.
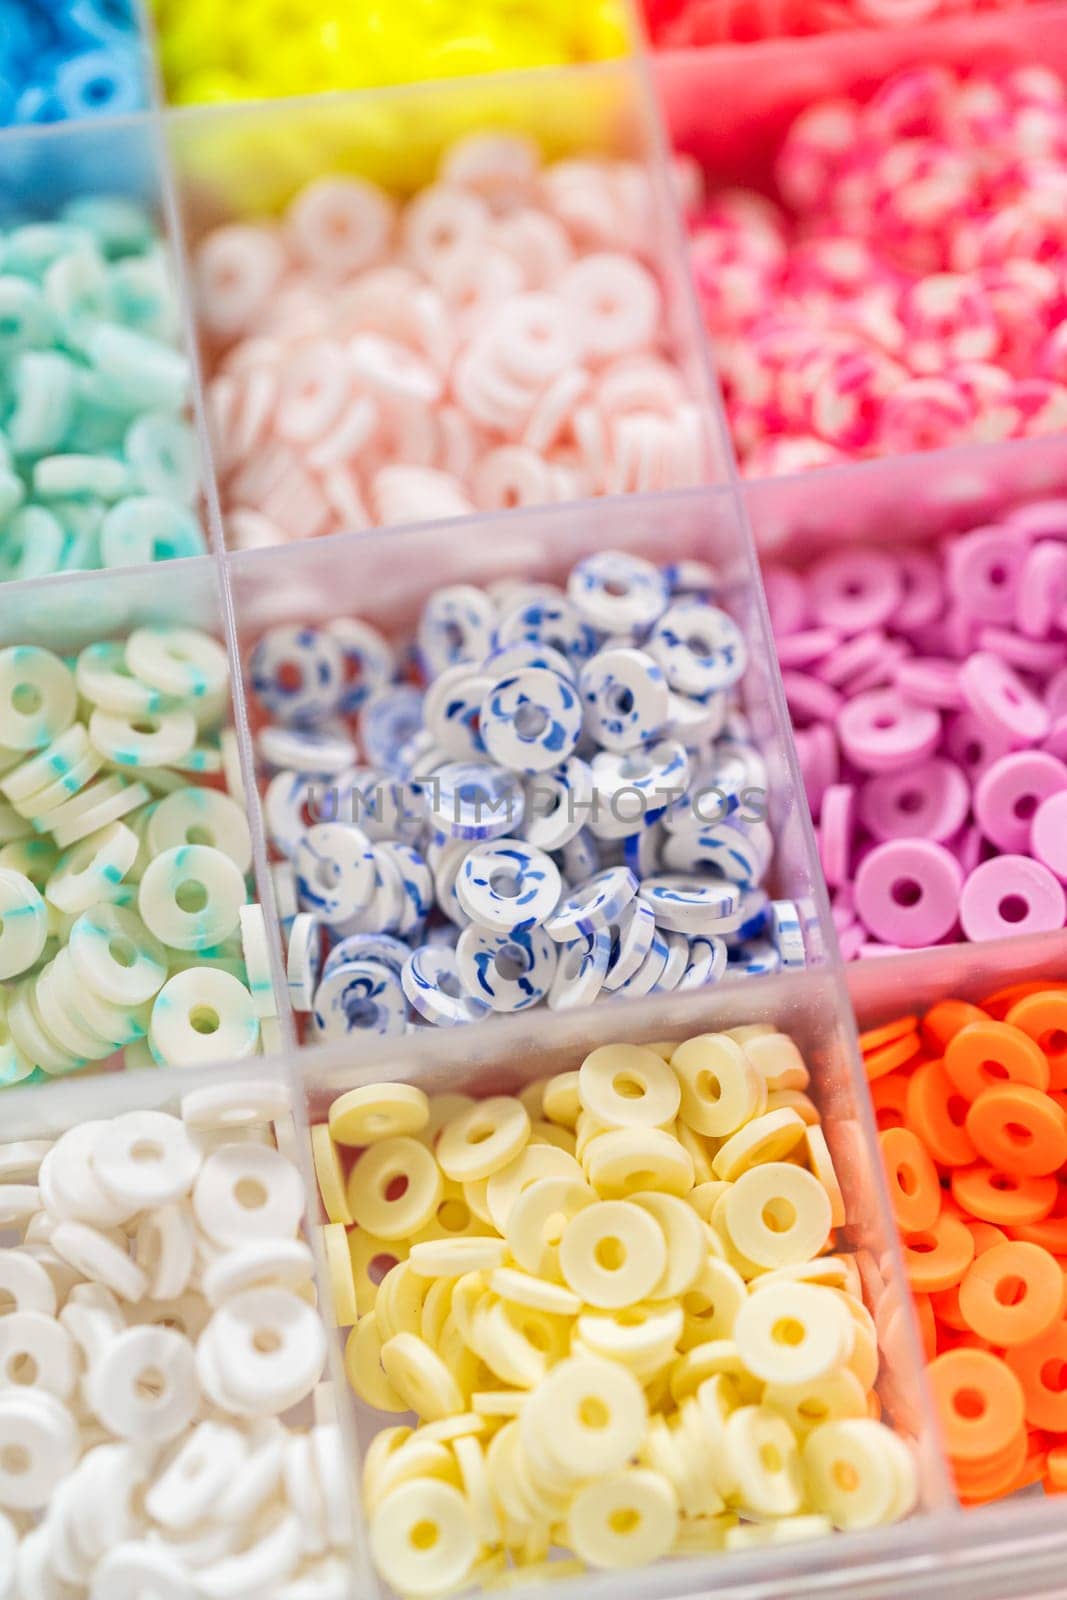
(372, 1258)
(764, 1461)
(589, 1415)
(330, 1175)
(769, 1137)
(342, 1280)
(538, 1219)
(686, 1239)
(626, 1085)
(627, 1160)
(378, 1111)
(624, 1519)
(363, 1367)
(612, 1254)
(483, 1139)
(531, 1164)
(560, 1102)
(793, 1333)
(721, 1089)
(420, 1377)
(777, 1215)
(423, 1538)
(851, 1472)
(395, 1188)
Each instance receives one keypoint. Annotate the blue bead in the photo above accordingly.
(103, 22)
(100, 83)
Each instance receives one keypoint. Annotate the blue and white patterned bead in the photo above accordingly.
(369, 662)
(386, 807)
(580, 971)
(625, 697)
(738, 851)
(508, 971)
(385, 910)
(418, 886)
(696, 721)
(522, 653)
(434, 986)
(325, 751)
(475, 800)
(303, 962)
(334, 865)
(360, 997)
(289, 809)
(690, 905)
(755, 959)
(453, 710)
(634, 787)
(642, 850)
(296, 673)
(581, 857)
(690, 577)
(388, 722)
(647, 976)
(456, 625)
(531, 721)
(597, 903)
(631, 940)
(700, 648)
(445, 863)
(507, 886)
(557, 806)
(707, 962)
(714, 793)
(550, 620)
(752, 917)
(788, 933)
(676, 964)
(618, 593)
(382, 947)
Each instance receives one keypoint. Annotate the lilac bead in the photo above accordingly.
(809, 699)
(1011, 895)
(880, 731)
(908, 891)
(928, 801)
(930, 681)
(984, 569)
(1009, 792)
(1048, 834)
(804, 649)
(1042, 592)
(835, 832)
(922, 590)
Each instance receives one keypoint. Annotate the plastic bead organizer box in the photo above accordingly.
(379, 327)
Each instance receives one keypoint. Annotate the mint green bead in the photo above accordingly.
(119, 226)
(77, 476)
(25, 318)
(150, 373)
(32, 544)
(45, 389)
(144, 299)
(12, 493)
(148, 528)
(82, 521)
(163, 455)
(78, 290)
(29, 251)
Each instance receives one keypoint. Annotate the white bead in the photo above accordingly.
(270, 1346)
(144, 1158)
(246, 1192)
(203, 1015)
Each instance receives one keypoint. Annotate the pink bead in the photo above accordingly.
(924, 414)
(879, 731)
(817, 146)
(1009, 793)
(1039, 656)
(237, 270)
(787, 601)
(844, 664)
(1055, 741)
(922, 590)
(804, 648)
(1041, 519)
(809, 699)
(930, 682)
(947, 320)
(615, 302)
(929, 801)
(846, 396)
(340, 225)
(835, 832)
(819, 762)
(1009, 896)
(915, 103)
(984, 568)
(972, 744)
(997, 695)
(1042, 592)
(1048, 834)
(854, 590)
(907, 892)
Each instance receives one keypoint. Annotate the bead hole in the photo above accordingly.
(1010, 1291)
(266, 1341)
(146, 1150)
(907, 1182)
(624, 1520)
(593, 1413)
(454, 1215)
(378, 1266)
(1054, 1043)
(1013, 908)
(530, 721)
(198, 833)
(708, 1087)
(610, 1254)
(250, 1193)
(27, 699)
(150, 1385)
(1025, 807)
(787, 1330)
(511, 963)
(425, 1535)
(906, 892)
(771, 1458)
(1054, 1375)
(122, 951)
(22, 1368)
(627, 1087)
(779, 1215)
(204, 1019)
(505, 882)
(969, 1403)
(396, 1187)
(846, 1477)
(191, 895)
(15, 1460)
(1016, 1133)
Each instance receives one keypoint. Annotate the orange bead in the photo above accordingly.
(1041, 1368)
(914, 1190)
(1000, 1002)
(1056, 1469)
(943, 1021)
(889, 1097)
(945, 1304)
(924, 1313)
(1050, 1232)
(985, 1236)
(1018, 1129)
(985, 1053)
(1001, 1197)
(938, 1257)
(888, 1033)
(995, 1478)
(1012, 1294)
(1043, 1015)
(937, 1113)
(979, 1401)
(891, 1057)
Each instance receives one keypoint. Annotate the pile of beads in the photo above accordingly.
(124, 915)
(332, 45)
(158, 1320)
(613, 1305)
(569, 806)
(905, 292)
(62, 60)
(929, 687)
(972, 1105)
(683, 24)
(499, 340)
(98, 464)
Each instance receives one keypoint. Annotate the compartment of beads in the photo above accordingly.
(877, 251)
(167, 1406)
(415, 306)
(130, 917)
(443, 796)
(397, 1111)
(70, 61)
(100, 463)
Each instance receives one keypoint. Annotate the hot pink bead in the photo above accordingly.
(924, 414)
(915, 103)
(880, 731)
(947, 319)
(816, 147)
(1011, 895)
(998, 695)
(847, 392)
(1008, 794)
(929, 801)
(854, 590)
(1048, 834)
(907, 892)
